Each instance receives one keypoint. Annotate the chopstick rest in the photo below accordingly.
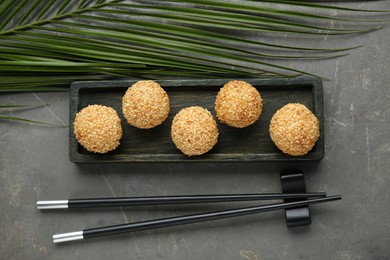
(181, 220)
(295, 183)
(164, 200)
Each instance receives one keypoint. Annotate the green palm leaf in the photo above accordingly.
(21, 119)
(45, 45)
(220, 19)
(13, 118)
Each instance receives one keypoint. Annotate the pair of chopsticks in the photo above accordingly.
(304, 200)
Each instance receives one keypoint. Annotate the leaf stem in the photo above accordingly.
(59, 16)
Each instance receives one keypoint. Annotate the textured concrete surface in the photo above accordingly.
(34, 165)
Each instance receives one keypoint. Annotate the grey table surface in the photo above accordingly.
(34, 165)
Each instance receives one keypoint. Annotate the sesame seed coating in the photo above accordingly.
(145, 104)
(194, 131)
(294, 129)
(98, 128)
(238, 104)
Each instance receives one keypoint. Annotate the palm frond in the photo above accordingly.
(21, 119)
(221, 19)
(317, 5)
(45, 45)
(13, 118)
(277, 12)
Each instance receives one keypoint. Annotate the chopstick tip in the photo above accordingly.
(67, 237)
(52, 204)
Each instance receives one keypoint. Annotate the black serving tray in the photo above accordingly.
(155, 145)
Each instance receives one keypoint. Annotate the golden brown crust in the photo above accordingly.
(145, 104)
(294, 129)
(194, 131)
(98, 128)
(238, 104)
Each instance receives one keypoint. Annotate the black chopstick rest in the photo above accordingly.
(164, 200)
(181, 220)
(295, 183)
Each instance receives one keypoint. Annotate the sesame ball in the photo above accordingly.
(98, 128)
(145, 104)
(238, 104)
(294, 129)
(194, 131)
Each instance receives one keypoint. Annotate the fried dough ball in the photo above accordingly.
(194, 131)
(98, 128)
(238, 104)
(145, 104)
(294, 129)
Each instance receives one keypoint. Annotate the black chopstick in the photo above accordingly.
(181, 220)
(163, 200)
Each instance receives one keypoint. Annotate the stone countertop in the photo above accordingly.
(34, 165)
